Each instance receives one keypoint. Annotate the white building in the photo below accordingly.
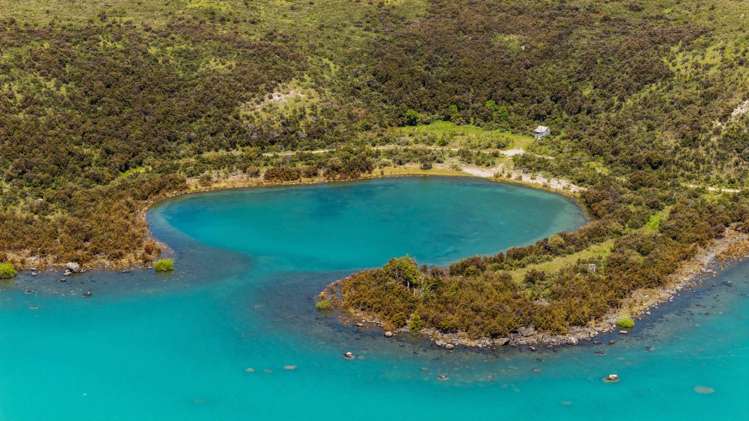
(541, 131)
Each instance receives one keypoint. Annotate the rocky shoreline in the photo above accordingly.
(732, 247)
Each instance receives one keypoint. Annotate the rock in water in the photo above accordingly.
(388, 334)
(611, 378)
(88, 294)
(348, 355)
(73, 267)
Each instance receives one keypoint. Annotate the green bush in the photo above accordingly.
(7, 271)
(625, 323)
(323, 305)
(164, 265)
(415, 324)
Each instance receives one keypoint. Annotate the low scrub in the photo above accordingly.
(323, 305)
(7, 271)
(164, 265)
(625, 323)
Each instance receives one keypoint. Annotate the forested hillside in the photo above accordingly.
(106, 107)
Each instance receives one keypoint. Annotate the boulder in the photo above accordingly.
(73, 267)
(501, 341)
(527, 331)
(388, 334)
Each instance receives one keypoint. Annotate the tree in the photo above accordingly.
(405, 271)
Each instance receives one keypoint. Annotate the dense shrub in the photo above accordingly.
(163, 265)
(7, 271)
(625, 323)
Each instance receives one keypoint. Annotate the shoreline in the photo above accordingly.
(732, 247)
(134, 261)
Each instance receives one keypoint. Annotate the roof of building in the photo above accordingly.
(541, 129)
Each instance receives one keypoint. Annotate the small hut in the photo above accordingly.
(541, 131)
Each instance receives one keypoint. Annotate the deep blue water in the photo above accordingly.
(249, 264)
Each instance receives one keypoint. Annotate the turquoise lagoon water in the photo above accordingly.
(177, 346)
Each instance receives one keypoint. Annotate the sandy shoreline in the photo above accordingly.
(732, 247)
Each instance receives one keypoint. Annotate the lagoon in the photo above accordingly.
(233, 333)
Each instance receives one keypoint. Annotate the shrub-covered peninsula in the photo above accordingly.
(638, 108)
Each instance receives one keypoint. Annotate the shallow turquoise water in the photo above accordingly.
(175, 347)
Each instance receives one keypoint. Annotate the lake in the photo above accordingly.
(233, 333)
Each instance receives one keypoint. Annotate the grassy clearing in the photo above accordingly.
(445, 133)
(414, 170)
(655, 220)
(601, 250)
(596, 250)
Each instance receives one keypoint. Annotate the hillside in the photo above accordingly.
(107, 107)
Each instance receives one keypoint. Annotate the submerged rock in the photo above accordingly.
(704, 390)
(249, 370)
(289, 367)
(88, 293)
